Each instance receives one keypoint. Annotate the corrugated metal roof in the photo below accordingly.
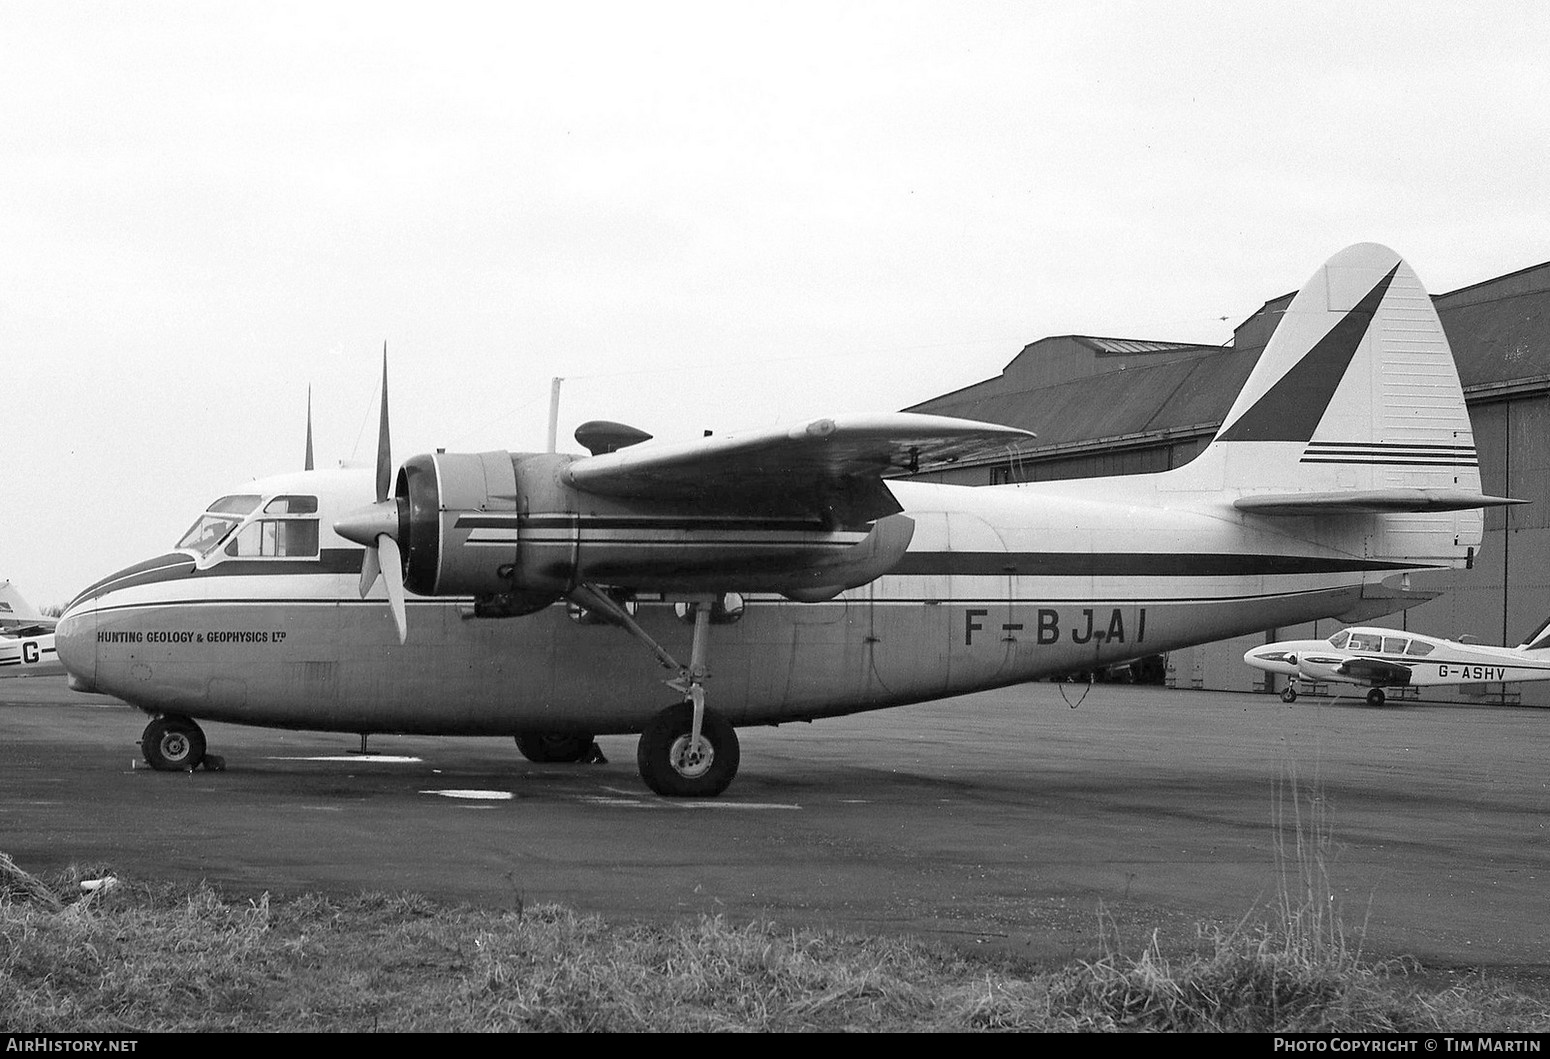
(1150, 398)
(1500, 339)
(1499, 331)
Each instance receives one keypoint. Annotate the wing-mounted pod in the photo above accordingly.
(877, 553)
(509, 529)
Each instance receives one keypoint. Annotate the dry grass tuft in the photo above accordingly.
(134, 957)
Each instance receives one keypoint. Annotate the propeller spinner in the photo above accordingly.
(377, 527)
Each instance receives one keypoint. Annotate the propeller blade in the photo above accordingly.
(371, 566)
(393, 577)
(384, 448)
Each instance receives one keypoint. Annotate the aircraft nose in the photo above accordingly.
(75, 638)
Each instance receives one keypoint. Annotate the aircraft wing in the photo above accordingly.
(1374, 671)
(1368, 501)
(835, 464)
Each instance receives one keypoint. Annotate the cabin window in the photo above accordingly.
(1418, 648)
(273, 538)
(1394, 645)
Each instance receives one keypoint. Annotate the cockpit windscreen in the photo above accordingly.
(217, 522)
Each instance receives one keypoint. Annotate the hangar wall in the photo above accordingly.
(1104, 406)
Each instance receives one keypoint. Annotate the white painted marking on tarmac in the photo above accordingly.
(633, 799)
(489, 796)
(381, 759)
(634, 802)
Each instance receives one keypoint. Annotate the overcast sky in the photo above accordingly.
(701, 216)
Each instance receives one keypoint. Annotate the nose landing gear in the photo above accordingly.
(172, 743)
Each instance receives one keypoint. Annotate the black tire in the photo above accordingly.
(670, 771)
(1289, 695)
(554, 748)
(1375, 697)
(173, 744)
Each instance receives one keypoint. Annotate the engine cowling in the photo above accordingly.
(507, 527)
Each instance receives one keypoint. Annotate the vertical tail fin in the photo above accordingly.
(1540, 640)
(14, 610)
(1355, 407)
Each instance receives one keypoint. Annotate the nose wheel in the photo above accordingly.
(173, 744)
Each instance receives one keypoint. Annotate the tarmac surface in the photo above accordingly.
(1005, 819)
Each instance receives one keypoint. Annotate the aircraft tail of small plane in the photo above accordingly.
(14, 610)
(1355, 409)
(1539, 642)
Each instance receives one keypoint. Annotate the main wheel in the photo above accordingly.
(551, 748)
(173, 744)
(1375, 697)
(1289, 695)
(672, 767)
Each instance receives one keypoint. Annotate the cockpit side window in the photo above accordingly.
(284, 536)
(276, 538)
(1365, 642)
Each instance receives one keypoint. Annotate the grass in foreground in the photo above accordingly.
(136, 957)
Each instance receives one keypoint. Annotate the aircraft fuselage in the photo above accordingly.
(999, 586)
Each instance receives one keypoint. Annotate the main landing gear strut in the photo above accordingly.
(687, 750)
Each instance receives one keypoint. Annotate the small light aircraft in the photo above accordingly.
(1378, 658)
(26, 638)
(534, 595)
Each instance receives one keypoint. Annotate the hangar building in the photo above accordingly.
(1109, 406)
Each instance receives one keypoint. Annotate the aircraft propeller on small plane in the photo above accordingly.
(377, 526)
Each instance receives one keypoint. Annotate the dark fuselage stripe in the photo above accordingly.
(568, 523)
(1129, 564)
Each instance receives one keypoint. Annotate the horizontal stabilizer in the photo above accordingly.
(1369, 501)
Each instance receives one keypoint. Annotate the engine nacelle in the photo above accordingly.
(508, 527)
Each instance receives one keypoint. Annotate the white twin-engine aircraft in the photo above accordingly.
(26, 638)
(1378, 658)
(537, 595)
